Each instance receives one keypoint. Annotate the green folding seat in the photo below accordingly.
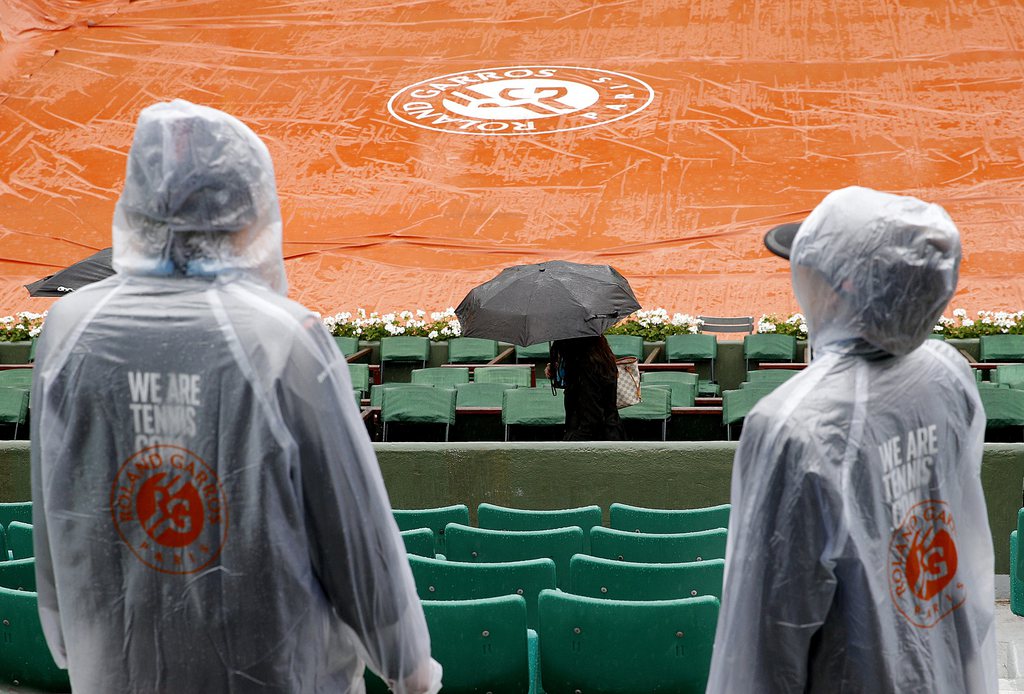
(622, 580)
(439, 579)
(403, 348)
(360, 376)
(737, 404)
(440, 376)
(1004, 407)
(16, 378)
(4, 555)
(481, 545)
(471, 350)
(536, 352)
(532, 407)
(494, 517)
(19, 540)
(15, 511)
(377, 392)
(625, 647)
(1010, 375)
(681, 384)
(626, 346)
(512, 375)
(480, 394)
(693, 348)
(420, 404)
(434, 518)
(770, 376)
(25, 659)
(481, 644)
(347, 345)
(18, 574)
(637, 519)
(1001, 348)
(14, 407)
(658, 549)
(419, 542)
(655, 405)
(32, 350)
(768, 347)
(1017, 567)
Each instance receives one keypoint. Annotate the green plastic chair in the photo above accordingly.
(19, 540)
(347, 345)
(622, 580)
(16, 378)
(655, 405)
(770, 376)
(625, 647)
(434, 518)
(737, 404)
(32, 350)
(692, 348)
(439, 579)
(4, 555)
(14, 407)
(418, 403)
(481, 545)
(532, 407)
(15, 511)
(440, 376)
(25, 658)
(360, 376)
(1002, 348)
(419, 542)
(1017, 568)
(471, 350)
(682, 385)
(768, 347)
(18, 574)
(1011, 375)
(403, 348)
(480, 644)
(658, 549)
(494, 517)
(637, 519)
(1004, 407)
(533, 352)
(377, 392)
(512, 375)
(626, 346)
(480, 394)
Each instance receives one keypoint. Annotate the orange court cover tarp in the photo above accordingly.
(420, 146)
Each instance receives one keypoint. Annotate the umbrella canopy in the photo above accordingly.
(92, 269)
(556, 300)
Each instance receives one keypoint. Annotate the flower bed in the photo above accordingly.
(21, 327)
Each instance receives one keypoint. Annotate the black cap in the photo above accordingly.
(779, 240)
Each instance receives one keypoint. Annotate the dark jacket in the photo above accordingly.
(590, 412)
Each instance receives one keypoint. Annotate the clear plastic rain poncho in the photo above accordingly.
(209, 515)
(859, 556)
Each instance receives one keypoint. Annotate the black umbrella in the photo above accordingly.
(556, 300)
(92, 269)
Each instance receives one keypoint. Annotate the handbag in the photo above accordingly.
(628, 382)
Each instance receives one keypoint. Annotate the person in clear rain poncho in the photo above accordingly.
(859, 556)
(208, 511)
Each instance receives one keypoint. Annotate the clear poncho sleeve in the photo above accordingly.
(356, 550)
(779, 580)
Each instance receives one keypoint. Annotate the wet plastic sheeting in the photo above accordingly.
(758, 110)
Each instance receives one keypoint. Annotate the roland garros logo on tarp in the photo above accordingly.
(520, 100)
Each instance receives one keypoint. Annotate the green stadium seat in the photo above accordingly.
(768, 347)
(1004, 407)
(434, 518)
(25, 658)
(1017, 568)
(471, 350)
(673, 548)
(625, 647)
(737, 404)
(1001, 348)
(655, 405)
(417, 403)
(419, 542)
(4, 554)
(18, 574)
(19, 540)
(1010, 375)
(16, 511)
(440, 376)
(480, 394)
(14, 407)
(683, 385)
(32, 350)
(403, 348)
(360, 377)
(533, 352)
(439, 579)
(16, 378)
(770, 376)
(692, 348)
(626, 346)
(622, 580)
(494, 517)
(532, 407)
(481, 545)
(512, 375)
(667, 521)
(347, 345)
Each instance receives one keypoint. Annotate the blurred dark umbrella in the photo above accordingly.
(86, 271)
(528, 304)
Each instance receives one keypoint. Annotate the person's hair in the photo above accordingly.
(585, 353)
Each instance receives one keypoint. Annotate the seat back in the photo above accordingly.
(697, 347)
(541, 350)
(1001, 348)
(25, 658)
(658, 549)
(512, 375)
(471, 350)
(18, 574)
(13, 405)
(533, 407)
(769, 347)
(727, 324)
(737, 404)
(404, 348)
(360, 375)
(1011, 375)
(440, 376)
(1004, 407)
(494, 517)
(681, 385)
(419, 542)
(480, 394)
(480, 644)
(347, 345)
(625, 647)
(770, 376)
(16, 378)
(637, 519)
(434, 518)
(622, 580)
(481, 545)
(410, 402)
(19, 540)
(16, 511)
(626, 346)
(439, 579)
(655, 404)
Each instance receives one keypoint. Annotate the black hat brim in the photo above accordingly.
(779, 240)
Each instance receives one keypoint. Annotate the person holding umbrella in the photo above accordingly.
(585, 367)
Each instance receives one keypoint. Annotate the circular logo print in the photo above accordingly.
(520, 100)
(170, 509)
(922, 565)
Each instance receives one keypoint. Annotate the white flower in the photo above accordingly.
(420, 313)
(803, 328)
(959, 313)
(432, 334)
(765, 327)
(34, 332)
(967, 322)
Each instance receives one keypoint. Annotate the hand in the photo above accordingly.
(425, 680)
(547, 370)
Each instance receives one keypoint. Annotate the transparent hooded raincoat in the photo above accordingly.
(209, 515)
(859, 555)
